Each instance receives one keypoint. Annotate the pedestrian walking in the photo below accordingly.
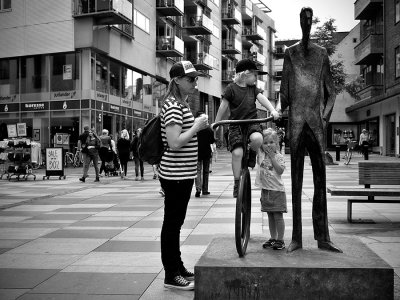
(124, 148)
(105, 145)
(364, 141)
(178, 169)
(83, 146)
(138, 161)
(205, 138)
(271, 164)
(92, 144)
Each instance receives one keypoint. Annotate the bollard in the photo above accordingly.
(365, 152)
(337, 153)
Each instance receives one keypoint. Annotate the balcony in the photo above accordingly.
(170, 7)
(231, 46)
(247, 10)
(254, 33)
(370, 50)
(227, 76)
(366, 9)
(201, 61)
(370, 91)
(203, 3)
(125, 29)
(198, 25)
(104, 12)
(170, 47)
(260, 59)
(231, 16)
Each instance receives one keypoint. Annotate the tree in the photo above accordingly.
(324, 37)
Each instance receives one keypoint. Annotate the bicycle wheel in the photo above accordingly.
(347, 157)
(76, 161)
(243, 213)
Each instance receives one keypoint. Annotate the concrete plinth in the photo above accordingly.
(308, 273)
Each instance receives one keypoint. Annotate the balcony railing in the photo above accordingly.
(231, 46)
(227, 76)
(254, 32)
(201, 61)
(105, 12)
(199, 24)
(366, 9)
(370, 50)
(170, 47)
(170, 7)
(126, 29)
(231, 16)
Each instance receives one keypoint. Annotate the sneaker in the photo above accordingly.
(155, 176)
(252, 158)
(197, 195)
(236, 188)
(97, 179)
(206, 193)
(269, 244)
(82, 179)
(178, 282)
(185, 273)
(137, 178)
(142, 179)
(278, 245)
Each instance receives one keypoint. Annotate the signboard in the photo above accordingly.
(12, 130)
(54, 162)
(67, 72)
(21, 129)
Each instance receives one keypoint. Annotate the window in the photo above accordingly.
(354, 40)
(64, 71)
(141, 21)
(5, 5)
(397, 61)
(397, 9)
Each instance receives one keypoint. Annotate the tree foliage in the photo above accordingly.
(354, 87)
(324, 37)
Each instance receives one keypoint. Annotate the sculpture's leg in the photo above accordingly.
(319, 210)
(297, 166)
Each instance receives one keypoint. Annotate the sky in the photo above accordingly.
(285, 13)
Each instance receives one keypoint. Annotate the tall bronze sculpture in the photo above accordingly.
(307, 88)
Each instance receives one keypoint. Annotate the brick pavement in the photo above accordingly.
(62, 239)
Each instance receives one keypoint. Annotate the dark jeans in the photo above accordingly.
(87, 158)
(103, 156)
(177, 196)
(124, 166)
(203, 172)
(138, 162)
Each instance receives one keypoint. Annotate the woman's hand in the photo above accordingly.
(276, 115)
(200, 123)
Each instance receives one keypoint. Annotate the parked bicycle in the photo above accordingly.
(349, 152)
(243, 200)
(72, 159)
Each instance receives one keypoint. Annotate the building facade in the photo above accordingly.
(103, 63)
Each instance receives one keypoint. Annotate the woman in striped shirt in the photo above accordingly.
(178, 169)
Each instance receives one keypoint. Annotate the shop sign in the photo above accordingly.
(146, 107)
(9, 107)
(64, 95)
(67, 72)
(102, 96)
(114, 108)
(137, 113)
(126, 102)
(64, 105)
(34, 106)
(9, 98)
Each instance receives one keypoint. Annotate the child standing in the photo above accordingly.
(271, 165)
(239, 100)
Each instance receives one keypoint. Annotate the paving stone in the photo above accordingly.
(23, 278)
(129, 246)
(84, 233)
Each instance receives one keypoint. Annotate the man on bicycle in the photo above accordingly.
(240, 100)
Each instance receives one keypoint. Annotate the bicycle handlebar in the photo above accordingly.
(237, 122)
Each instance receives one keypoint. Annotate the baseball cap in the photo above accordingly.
(184, 68)
(248, 64)
(86, 128)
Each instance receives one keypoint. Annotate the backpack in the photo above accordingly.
(150, 146)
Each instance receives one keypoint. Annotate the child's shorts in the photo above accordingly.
(235, 139)
(273, 201)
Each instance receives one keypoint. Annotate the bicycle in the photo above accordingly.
(78, 160)
(73, 159)
(349, 152)
(243, 200)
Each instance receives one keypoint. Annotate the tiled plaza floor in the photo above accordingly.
(63, 239)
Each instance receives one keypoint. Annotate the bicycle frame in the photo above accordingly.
(243, 201)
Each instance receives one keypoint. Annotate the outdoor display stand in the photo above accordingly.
(54, 163)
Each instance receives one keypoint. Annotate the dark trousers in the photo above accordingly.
(308, 141)
(203, 172)
(124, 166)
(177, 196)
(139, 163)
(103, 156)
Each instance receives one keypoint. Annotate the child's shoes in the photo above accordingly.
(269, 244)
(278, 245)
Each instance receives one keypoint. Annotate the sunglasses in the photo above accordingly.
(192, 79)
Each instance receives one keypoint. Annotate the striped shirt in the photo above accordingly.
(180, 163)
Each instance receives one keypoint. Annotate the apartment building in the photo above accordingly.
(378, 55)
(104, 63)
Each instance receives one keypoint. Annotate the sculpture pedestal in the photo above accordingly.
(308, 273)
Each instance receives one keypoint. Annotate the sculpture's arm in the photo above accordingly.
(285, 85)
(329, 90)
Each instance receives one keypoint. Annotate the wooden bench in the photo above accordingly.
(372, 173)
